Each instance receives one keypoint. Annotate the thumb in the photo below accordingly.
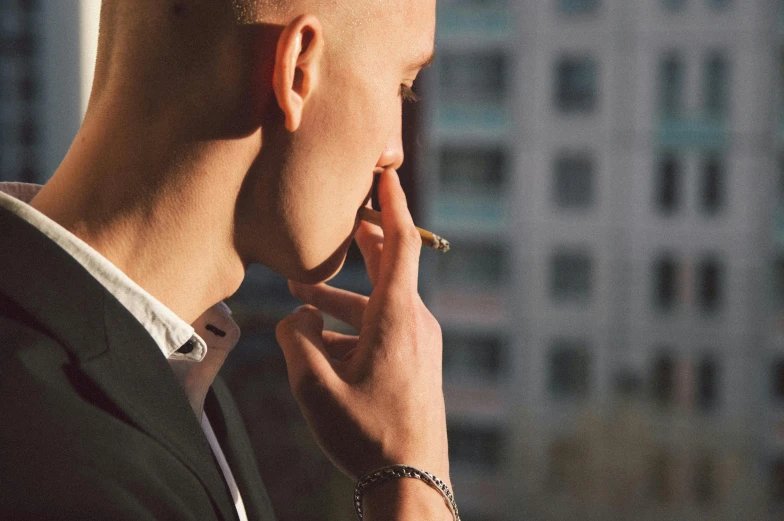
(300, 338)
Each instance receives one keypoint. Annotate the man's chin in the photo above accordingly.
(324, 271)
(327, 269)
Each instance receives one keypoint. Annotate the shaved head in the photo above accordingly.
(256, 11)
(276, 11)
(279, 110)
(342, 18)
(146, 27)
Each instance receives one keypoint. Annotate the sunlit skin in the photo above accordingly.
(209, 145)
(234, 157)
(327, 176)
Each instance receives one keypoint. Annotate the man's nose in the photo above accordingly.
(393, 156)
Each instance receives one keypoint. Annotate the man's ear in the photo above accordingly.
(297, 61)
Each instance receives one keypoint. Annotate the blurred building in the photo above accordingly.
(608, 173)
(47, 53)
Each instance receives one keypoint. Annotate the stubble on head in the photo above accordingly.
(348, 15)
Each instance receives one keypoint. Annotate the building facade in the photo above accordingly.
(607, 173)
(47, 56)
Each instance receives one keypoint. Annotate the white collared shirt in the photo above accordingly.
(195, 369)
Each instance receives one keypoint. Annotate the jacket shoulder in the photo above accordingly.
(67, 451)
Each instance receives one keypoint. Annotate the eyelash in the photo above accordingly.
(407, 94)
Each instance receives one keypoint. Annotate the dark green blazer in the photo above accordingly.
(93, 423)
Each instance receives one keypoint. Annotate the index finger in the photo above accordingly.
(370, 240)
(399, 266)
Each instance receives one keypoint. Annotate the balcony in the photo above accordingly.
(706, 133)
(472, 23)
(477, 214)
(483, 120)
(469, 307)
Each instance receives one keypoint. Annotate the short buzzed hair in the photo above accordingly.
(344, 16)
(258, 11)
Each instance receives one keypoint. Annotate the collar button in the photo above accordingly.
(187, 347)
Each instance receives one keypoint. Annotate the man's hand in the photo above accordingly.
(374, 399)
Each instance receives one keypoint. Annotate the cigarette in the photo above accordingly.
(428, 238)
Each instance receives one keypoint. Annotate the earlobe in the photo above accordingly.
(297, 62)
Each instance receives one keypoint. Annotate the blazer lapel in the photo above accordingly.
(136, 377)
(230, 432)
(109, 344)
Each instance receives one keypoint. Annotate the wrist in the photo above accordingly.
(405, 499)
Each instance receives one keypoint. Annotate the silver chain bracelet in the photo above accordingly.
(403, 471)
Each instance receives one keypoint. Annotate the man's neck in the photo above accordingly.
(161, 212)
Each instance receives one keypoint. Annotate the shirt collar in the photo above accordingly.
(176, 338)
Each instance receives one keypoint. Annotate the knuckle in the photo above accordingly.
(435, 327)
(408, 238)
(414, 237)
(303, 316)
(283, 329)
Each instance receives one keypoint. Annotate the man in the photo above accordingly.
(218, 134)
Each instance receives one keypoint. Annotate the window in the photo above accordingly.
(671, 84)
(28, 88)
(712, 195)
(472, 355)
(719, 4)
(471, 78)
(472, 170)
(709, 284)
(716, 85)
(627, 383)
(24, 45)
(777, 380)
(569, 370)
(663, 380)
(665, 283)
(574, 180)
(707, 384)
(578, 6)
(570, 276)
(28, 6)
(477, 266)
(475, 445)
(28, 173)
(576, 89)
(27, 134)
(668, 185)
